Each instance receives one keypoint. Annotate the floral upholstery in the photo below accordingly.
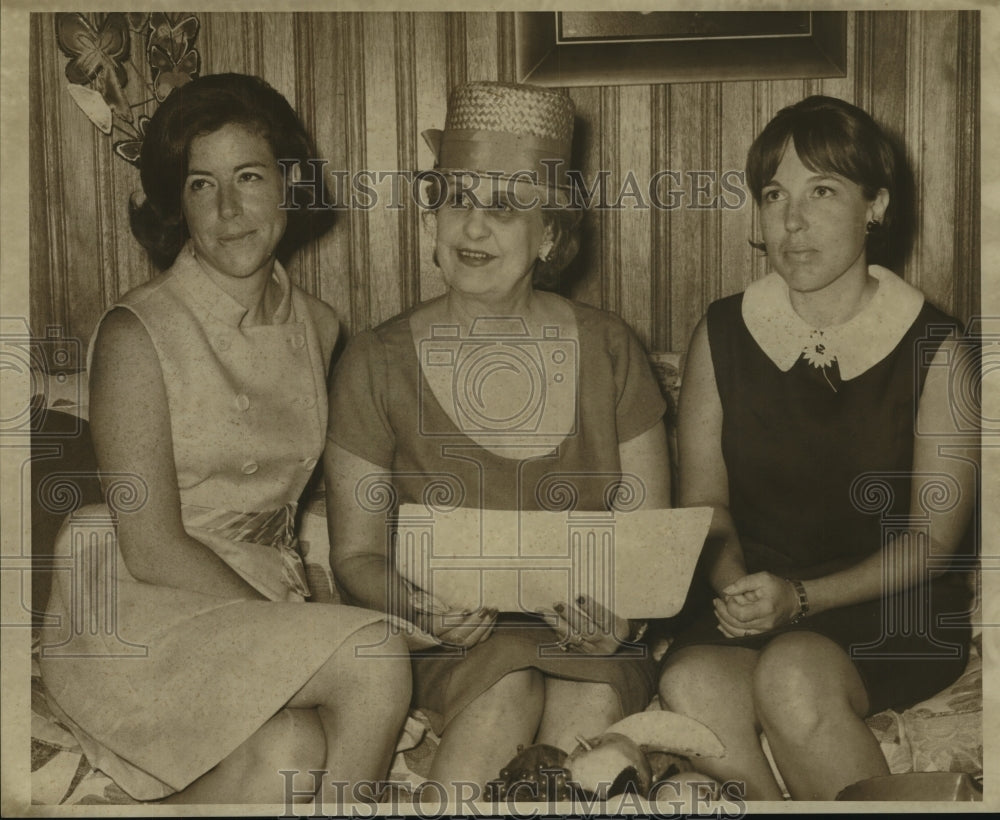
(941, 734)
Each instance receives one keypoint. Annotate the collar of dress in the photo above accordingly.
(857, 344)
(220, 305)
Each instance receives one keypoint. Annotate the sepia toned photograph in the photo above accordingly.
(509, 412)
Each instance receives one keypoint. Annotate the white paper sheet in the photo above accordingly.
(639, 564)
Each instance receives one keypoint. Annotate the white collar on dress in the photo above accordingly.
(216, 301)
(858, 344)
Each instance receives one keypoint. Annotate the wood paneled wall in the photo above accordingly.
(368, 84)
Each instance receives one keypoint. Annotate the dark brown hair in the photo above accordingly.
(832, 136)
(203, 106)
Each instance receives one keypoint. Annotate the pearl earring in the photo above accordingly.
(544, 250)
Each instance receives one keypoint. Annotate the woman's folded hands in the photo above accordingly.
(755, 603)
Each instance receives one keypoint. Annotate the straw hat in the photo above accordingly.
(507, 131)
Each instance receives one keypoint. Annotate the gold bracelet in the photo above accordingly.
(800, 590)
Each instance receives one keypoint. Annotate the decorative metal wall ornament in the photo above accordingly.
(108, 80)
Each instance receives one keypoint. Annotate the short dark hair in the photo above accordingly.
(200, 107)
(832, 136)
(563, 220)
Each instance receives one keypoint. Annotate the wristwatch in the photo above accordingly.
(800, 590)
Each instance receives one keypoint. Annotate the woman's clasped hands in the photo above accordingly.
(755, 603)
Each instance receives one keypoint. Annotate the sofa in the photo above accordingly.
(941, 734)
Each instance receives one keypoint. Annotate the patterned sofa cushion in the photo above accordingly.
(943, 733)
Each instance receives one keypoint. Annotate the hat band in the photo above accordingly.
(525, 156)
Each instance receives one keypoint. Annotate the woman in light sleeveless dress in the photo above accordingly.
(187, 666)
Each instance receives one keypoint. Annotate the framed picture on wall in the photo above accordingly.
(575, 48)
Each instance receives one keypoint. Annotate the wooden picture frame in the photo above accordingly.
(619, 55)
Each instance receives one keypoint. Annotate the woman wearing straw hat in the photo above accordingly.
(476, 394)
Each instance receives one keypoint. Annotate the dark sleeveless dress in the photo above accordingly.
(815, 476)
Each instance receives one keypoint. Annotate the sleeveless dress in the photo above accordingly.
(160, 684)
(384, 411)
(818, 446)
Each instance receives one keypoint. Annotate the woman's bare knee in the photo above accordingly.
(520, 693)
(384, 675)
(680, 677)
(373, 666)
(601, 697)
(519, 687)
(803, 679)
(576, 708)
(698, 674)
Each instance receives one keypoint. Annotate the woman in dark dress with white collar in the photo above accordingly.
(811, 416)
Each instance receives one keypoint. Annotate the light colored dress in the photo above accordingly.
(160, 684)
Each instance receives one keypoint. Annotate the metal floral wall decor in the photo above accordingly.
(120, 63)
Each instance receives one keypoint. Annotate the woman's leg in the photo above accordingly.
(811, 702)
(714, 684)
(484, 736)
(344, 722)
(576, 708)
(362, 701)
(292, 739)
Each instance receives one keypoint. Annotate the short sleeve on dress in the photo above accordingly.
(639, 404)
(359, 396)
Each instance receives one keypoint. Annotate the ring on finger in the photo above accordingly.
(572, 639)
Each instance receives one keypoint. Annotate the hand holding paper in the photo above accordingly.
(637, 564)
(586, 626)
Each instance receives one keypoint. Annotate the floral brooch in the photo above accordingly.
(818, 353)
